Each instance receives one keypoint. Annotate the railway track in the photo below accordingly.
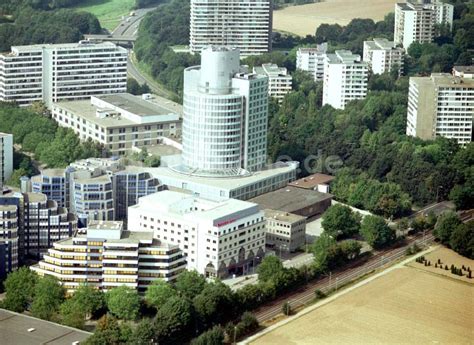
(336, 280)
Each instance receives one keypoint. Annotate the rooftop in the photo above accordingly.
(105, 225)
(444, 79)
(312, 181)
(320, 48)
(78, 45)
(380, 43)
(283, 216)
(344, 56)
(14, 331)
(290, 199)
(272, 70)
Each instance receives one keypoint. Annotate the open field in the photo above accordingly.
(109, 12)
(447, 257)
(405, 306)
(304, 19)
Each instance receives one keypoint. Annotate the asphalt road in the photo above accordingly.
(128, 27)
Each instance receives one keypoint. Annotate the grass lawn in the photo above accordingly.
(109, 12)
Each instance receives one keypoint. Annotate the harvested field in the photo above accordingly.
(304, 19)
(447, 257)
(405, 306)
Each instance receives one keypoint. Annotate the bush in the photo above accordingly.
(286, 308)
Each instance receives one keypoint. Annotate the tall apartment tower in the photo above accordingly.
(383, 55)
(62, 72)
(9, 236)
(6, 157)
(225, 116)
(441, 105)
(244, 24)
(345, 79)
(312, 60)
(416, 20)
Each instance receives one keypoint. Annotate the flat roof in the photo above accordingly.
(138, 106)
(105, 225)
(283, 216)
(225, 182)
(81, 44)
(290, 199)
(468, 69)
(444, 79)
(312, 181)
(14, 331)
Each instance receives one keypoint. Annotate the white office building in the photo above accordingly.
(383, 56)
(279, 80)
(105, 256)
(285, 231)
(62, 72)
(441, 105)
(345, 79)
(120, 122)
(225, 116)
(416, 20)
(217, 238)
(6, 157)
(244, 24)
(312, 60)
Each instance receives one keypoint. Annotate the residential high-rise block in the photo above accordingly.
(62, 72)
(244, 24)
(225, 116)
(105, 256)
(29, 225)
(279, 80)
(217, 238)
(383, 56)
(312, 60)
(96, 188)
(345, 78)
(416, 20)
(6, 157)
(441, 105)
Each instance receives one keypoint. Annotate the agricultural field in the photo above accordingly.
(109, 12)
(404, 306)
(304, 19)
(447, 257)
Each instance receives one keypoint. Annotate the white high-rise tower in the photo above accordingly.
(245, 24)
(225, 116)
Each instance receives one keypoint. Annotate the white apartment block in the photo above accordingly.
(279, 80)
(120, 122)
(6, 157)
(105, 256)
(383, 56)
(312, 60)
(464, 72)
(225, 116)
(345, 79)
(217, 238)
(415, 21)
(62, 72)
(285, 231)
(244, 24)
(441, 105)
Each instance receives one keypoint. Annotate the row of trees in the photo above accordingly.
(168, 313)
(40, 135)
(459, 236)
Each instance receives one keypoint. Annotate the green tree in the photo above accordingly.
(445, 225)
(91, 300)
(158, 293)
(214, 336)
(123, 302)
(462, 239)
(173, 321)
(269, 268)
(190, 284)
(376, 232)
(215, 304)
(20, 289)
(340, 221)
(49, 295)
(320, 249)
(72, 314)
(107, 332)
(143, 333)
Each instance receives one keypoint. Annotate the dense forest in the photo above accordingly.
(38, 134)
(29, 23)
